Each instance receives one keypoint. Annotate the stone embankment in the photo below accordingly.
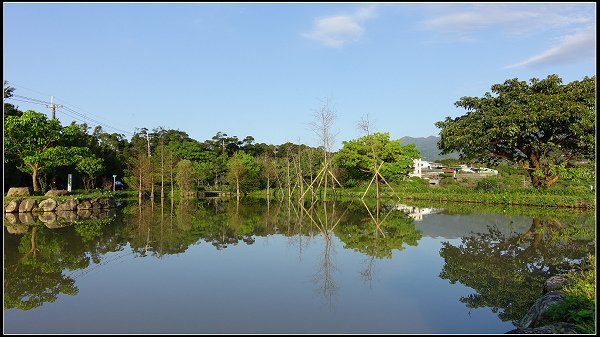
(53, 212)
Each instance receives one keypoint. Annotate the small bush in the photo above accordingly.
(488, 184)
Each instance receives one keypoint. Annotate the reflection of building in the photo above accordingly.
(414, 212)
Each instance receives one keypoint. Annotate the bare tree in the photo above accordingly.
(322, 127)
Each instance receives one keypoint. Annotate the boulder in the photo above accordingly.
(555, 328)
(56, 193)
(96, 203)
(84, 204)
(13, 206)
(554, 283)
(26, 218)
(47, 217)
(11, 218)
(539, 307)
(48, 205)
(107, 203)
(27, 205)
(67, 215)
(17, 229)
(67, 205)
(84, 214)
(19, 192)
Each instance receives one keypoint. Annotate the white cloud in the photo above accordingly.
(571, 47)
(514, 19)
(338, 30)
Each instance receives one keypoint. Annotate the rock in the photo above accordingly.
(17, 229)
(84, 204)
(13, 206)
(26, 218)
(27, 205)
(47, 217)
(107, 203)
(19, 192)
(96, 203)
(554, 283)
(67, 215)
(11, 218)
(539, 307)
(67, 205)
(555, 328)
(84, 214)
(48, 205)
(56, 193)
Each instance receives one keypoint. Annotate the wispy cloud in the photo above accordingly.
(570, 47)
(516, 19)
(338, 30)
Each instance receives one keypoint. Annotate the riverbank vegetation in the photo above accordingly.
(579, 307)
(549, 134)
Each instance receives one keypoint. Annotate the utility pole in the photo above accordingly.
(148, 139)
(53, 107)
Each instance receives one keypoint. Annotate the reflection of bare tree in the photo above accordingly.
(324, 277)
(325, 221)
(298, 234)
(368, 273)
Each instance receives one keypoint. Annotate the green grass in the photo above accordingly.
(77, 194)
(579, 307)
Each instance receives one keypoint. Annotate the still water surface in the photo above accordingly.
(219, 266)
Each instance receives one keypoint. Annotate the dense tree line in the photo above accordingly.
(544, 127)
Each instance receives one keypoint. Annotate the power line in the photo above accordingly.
(20, 100)
(53, 107)
(31, 99)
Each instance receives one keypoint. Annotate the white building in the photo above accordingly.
(418, 165)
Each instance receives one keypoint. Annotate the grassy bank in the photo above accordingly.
(576, 197)
(579, 307)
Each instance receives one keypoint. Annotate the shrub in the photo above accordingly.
(488, 184)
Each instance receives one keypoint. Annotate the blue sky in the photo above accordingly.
(263, 69)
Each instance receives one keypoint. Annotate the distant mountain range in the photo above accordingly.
(428, 147)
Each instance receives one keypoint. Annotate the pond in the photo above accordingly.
(223, 266)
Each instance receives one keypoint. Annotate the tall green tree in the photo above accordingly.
(185, 177)
(543, 126)
(360, 156)
(242, 172)
(90, 167)
(39, 144)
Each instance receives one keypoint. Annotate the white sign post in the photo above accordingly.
(114, 181)
(69, 182)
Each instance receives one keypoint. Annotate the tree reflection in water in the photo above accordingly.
(377, 233)
(37, 262)
(325, 221)
(508, 271)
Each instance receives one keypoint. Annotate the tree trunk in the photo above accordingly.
(550, 181)
(535, 181)
(34, 176)
(268, 191)
(140, 190)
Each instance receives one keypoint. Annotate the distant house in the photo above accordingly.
(465, 168)
(485, 170)
(418, 166)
